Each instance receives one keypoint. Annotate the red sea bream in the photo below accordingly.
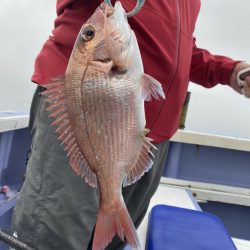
(98, 110)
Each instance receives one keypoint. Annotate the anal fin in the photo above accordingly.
(143, 163)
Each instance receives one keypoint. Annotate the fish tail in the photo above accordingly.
(111, 222)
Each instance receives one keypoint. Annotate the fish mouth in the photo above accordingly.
(120, 43)
(117, 37)
(107, 9)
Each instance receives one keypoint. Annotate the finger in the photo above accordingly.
(246, 91)
(236, 87)
(244, 75)
(247, 79)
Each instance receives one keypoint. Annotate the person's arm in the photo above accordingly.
(208, 70)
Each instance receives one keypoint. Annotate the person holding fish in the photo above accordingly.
(102, 116)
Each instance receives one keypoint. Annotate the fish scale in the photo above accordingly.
(112, 102)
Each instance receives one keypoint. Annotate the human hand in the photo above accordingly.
(245, 89)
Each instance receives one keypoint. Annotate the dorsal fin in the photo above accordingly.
(143, 164)
(55, 96)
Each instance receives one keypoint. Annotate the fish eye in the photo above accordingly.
(88, 33)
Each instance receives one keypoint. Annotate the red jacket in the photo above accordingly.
(164, 30)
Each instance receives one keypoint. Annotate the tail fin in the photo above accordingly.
(111, 222)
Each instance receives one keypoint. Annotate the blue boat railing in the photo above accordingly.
(15, 142)
(215, 168)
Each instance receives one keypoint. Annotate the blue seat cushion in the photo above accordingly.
(172, 228)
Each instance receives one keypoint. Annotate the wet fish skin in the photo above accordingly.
(98, 108)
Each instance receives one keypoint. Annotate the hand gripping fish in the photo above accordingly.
(98, 110)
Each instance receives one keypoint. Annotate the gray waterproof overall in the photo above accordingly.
(57, 209)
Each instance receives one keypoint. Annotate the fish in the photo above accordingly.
(99, 117)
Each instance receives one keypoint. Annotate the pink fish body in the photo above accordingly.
(98, 108)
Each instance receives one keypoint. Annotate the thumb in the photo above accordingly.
(245, 76)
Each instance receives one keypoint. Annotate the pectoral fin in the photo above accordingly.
(151, 88)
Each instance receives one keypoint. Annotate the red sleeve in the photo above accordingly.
(61, 5)
(209, 70)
